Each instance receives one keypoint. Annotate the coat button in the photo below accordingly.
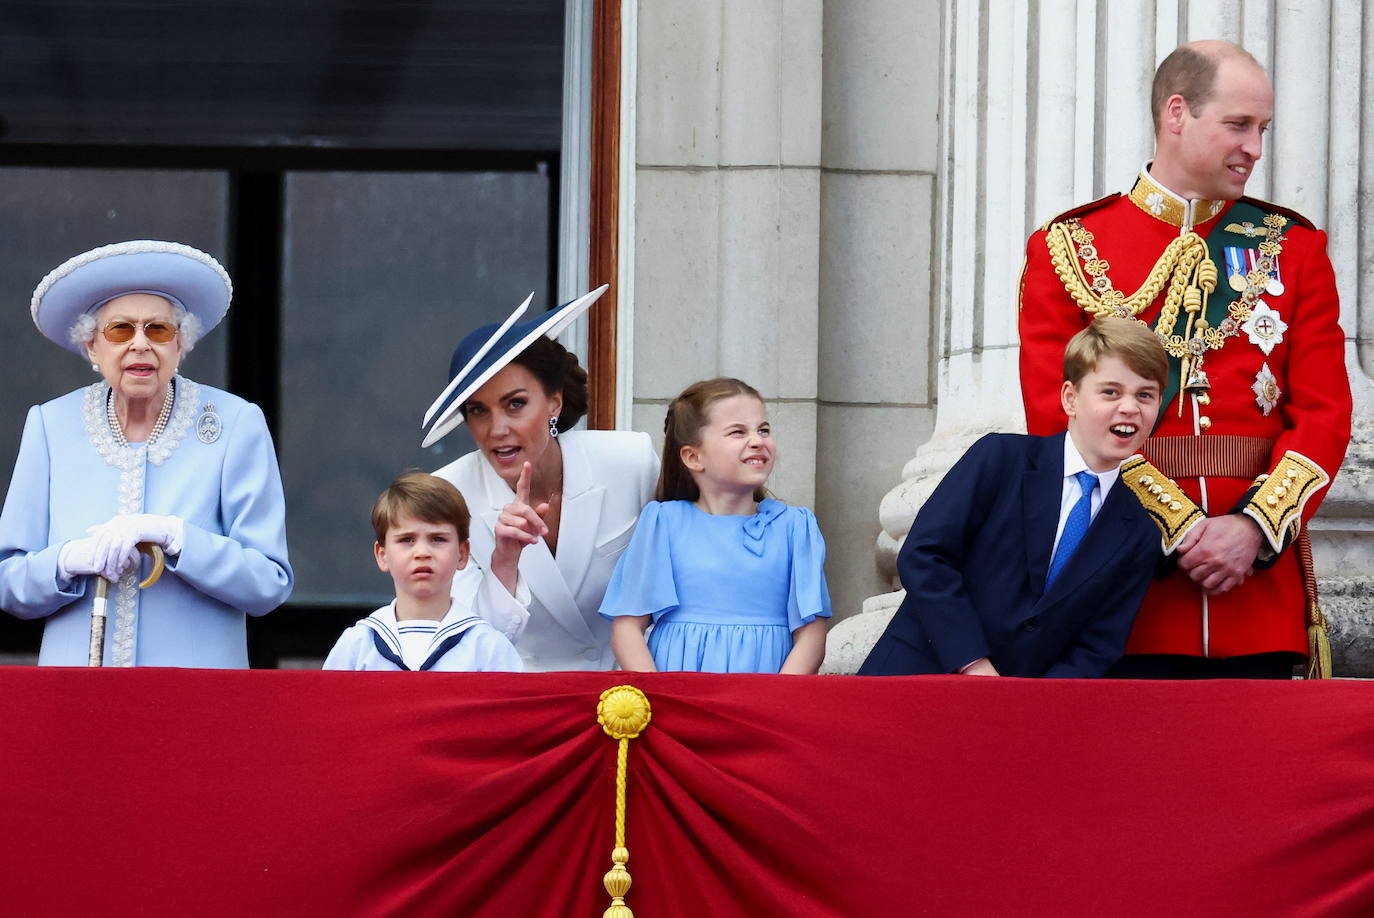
(591, 653)
(1031, 624)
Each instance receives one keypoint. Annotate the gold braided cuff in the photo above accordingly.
(1278, 501)
(1173, 511)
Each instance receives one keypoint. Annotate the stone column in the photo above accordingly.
(784, 173)
(1047, 105)
(1321, 167)
(878, 154)
(727, 185)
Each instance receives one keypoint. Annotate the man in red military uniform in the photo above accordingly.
(1256, 417)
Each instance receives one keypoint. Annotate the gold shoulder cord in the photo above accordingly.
(1070, 240)
(1185, 266)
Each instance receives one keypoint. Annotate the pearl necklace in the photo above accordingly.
(158, 425)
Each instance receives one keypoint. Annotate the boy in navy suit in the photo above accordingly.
(1030, 558)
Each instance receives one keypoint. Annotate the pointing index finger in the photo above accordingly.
(522, 485)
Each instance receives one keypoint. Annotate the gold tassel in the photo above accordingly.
(1318, 645)
(623, 712)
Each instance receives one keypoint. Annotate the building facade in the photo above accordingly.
(831, 201)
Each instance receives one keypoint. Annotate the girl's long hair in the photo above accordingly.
(687, 415)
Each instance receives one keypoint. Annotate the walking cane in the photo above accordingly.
(102, 593)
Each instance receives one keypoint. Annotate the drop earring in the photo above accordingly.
(553, 428)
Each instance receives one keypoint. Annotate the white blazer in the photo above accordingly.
(608, 477)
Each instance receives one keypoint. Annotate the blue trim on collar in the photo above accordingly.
(444, 647)
(387, 652)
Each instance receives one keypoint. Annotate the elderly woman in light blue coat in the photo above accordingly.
(142, 455)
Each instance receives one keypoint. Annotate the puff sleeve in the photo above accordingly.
(643, 582)
(808, 595)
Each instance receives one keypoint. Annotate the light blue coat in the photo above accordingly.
(213, 467)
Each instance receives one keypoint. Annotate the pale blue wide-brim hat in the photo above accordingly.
(486, 351)
(187, 277)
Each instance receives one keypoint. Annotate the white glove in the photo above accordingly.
(77, 558)
(117, 541)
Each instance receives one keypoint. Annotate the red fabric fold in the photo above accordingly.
(151, 792)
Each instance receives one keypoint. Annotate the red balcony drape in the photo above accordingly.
(195, 793)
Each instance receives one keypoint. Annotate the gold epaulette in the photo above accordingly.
(1173, 511)
(1080, 210)
(1277, 503)
(1279, 208)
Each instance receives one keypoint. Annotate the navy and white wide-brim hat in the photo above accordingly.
(187, 277)
(487, 351)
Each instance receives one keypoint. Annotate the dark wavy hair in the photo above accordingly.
(687, 415)
(557, 370)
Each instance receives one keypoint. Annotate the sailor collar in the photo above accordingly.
(1162, 204)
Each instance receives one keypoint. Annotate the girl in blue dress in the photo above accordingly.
(732, 581)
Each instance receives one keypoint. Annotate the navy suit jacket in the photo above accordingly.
(974, 568)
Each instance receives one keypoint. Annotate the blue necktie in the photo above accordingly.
(1075, 527)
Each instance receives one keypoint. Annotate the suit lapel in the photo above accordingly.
(1042, 489)
(537, 564)
(581, 518)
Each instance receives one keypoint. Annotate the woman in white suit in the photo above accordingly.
(573, 511)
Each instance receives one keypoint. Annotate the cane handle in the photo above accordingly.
(154, 551)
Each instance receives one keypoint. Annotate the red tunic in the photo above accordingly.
(1311, 416)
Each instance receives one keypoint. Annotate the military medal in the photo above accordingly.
(209, 426)
(1234, 268)
(1266, 389)
(1273, 285)
(1264, 327)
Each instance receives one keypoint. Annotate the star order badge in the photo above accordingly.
(1265, 328)
(1266, 389)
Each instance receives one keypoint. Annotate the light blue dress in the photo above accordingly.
(725, 592)
(213, 466)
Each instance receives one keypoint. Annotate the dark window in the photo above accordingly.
(378, 178)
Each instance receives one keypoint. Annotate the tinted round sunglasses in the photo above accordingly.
(121, 331)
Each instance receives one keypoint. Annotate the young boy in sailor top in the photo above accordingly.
(421, 524)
